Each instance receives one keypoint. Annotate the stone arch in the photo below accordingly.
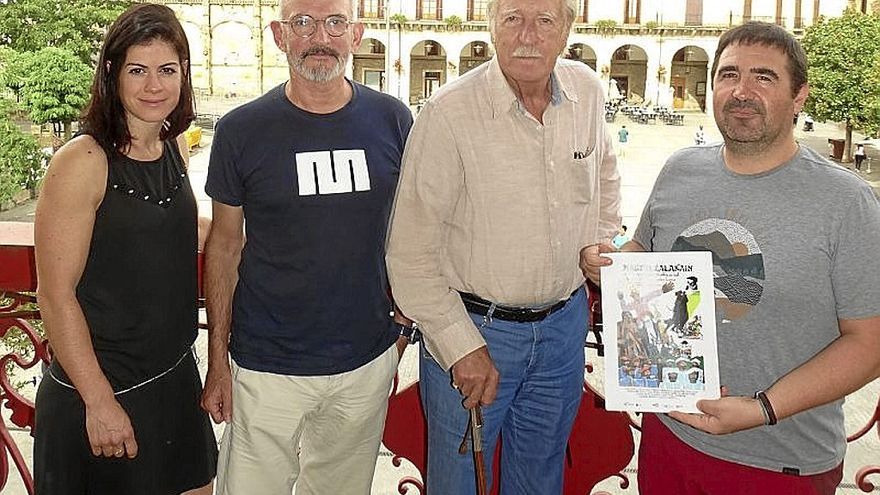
(233, 44)
(582, 53)
(275, 67)
(629, 69)
(234, 60)
(198, 54)
(427, 70)
(473, 55)
(368, 64)
(197, 51)
(689, 78)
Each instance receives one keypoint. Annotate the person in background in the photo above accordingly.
(621, 238)
(622, 140)
(808, 123)
(116, 250)
(859, 156)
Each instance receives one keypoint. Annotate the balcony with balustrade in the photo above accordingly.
(601, 447)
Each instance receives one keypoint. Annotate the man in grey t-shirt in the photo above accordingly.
(797, 298)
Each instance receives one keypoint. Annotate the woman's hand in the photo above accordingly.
(109, 430)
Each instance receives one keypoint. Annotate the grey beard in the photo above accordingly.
(319, 74)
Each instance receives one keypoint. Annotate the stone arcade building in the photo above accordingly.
(654, 50)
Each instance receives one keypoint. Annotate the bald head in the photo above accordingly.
(288, 8)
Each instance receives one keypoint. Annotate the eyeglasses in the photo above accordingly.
(306, 25)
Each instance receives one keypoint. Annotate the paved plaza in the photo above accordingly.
(649, 146)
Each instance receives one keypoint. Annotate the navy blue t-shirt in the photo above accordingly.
(316, 191)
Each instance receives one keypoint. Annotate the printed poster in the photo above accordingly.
(661, 351)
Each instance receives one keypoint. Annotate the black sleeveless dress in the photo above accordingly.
(138, 292)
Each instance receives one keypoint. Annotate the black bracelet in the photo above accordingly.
(766, 407)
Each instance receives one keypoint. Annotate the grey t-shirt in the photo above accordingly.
(794, 250)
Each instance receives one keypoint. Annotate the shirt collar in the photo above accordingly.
(503, 97)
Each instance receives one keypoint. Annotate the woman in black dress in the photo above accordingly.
(116, 251)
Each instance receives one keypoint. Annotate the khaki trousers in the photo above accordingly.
(320, 433)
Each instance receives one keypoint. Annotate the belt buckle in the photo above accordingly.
(543, 312)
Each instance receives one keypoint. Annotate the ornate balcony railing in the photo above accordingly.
(595, 429)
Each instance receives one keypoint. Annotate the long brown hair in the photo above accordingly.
(105, 118)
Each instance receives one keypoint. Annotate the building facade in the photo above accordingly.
(657, 51)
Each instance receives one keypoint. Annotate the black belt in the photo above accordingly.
(477, 305)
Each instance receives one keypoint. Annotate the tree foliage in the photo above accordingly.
(843, 54)
(57, 87)
(14, 69)
(21, 160)
(76, 25)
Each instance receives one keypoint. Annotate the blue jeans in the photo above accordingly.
(542, 374)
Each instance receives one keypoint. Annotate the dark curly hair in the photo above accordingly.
(105, 118)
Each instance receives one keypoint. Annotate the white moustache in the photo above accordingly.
(527, 52)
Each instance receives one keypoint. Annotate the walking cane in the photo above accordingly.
(475, 430)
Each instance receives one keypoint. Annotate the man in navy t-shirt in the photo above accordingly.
(302, 305)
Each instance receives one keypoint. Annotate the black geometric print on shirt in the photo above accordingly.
(738, 264)
(739, 290)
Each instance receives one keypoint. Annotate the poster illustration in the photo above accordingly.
(659, 329)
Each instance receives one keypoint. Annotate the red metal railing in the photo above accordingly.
(595, 429)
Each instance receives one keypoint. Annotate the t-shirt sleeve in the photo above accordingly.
(855, 270)
(406, 123)
(224, 182)
(644, 232)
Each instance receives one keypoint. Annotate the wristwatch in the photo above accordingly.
(411, 332)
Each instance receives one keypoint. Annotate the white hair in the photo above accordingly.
(570, 9)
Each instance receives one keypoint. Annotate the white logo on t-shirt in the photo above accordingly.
(343, 171)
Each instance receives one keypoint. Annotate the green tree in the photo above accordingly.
(76, 25)
(454, 22)
(8, 107)
(399, 19)
(57, 88)
(21, 161)
(844, 82)
(14, 69)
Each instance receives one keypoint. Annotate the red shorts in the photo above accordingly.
(668, 466)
